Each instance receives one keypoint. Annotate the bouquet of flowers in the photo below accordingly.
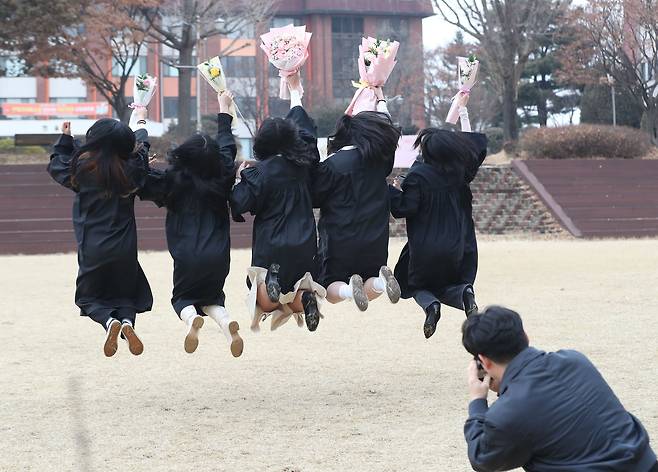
(467, 68)
(143, 90)
(376, 62)
(287, 50)
(213, 72)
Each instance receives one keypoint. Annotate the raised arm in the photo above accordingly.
(308, 130)
(138, 166)
(479, 142)
(227, 147)
(59, 166)
(247, 194)
(405, 202)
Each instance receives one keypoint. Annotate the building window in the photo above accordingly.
(346, 33)
(239, 66)
(281, 21)
(393, 28)
(170, 107)
(246, 31)
(138, 69)
(67, 99)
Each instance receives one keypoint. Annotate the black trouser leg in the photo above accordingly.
(101, 317)
(425, 298)
(454, 295)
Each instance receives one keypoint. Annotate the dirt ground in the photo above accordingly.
(366, 392)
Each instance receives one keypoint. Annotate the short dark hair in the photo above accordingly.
(373, 133)
(496, 332)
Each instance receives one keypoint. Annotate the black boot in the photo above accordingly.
(432, 317)
(311, 310)
(470, 307)
(272, 283)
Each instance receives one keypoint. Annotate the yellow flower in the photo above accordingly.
(214, 72)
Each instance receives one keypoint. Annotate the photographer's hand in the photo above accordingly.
(477, 389)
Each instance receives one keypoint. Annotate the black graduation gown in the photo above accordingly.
(441, 253)
(277, 191)
(198, 237)
(110, 281)
(352, 195)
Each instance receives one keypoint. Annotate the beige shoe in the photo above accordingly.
(192, 338)
(135, 344)
(112, 338)
(230, 329)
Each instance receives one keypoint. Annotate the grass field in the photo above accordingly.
(366, 392)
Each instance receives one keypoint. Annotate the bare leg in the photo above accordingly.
(333, 292)
(296, 305)
(370, 289)
(264, 301)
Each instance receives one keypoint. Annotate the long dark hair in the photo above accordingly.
(373, 133)
(449, 151)
(195, 166)
(108, 145)
(279, 136)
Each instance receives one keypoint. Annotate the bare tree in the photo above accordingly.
(441, 85)
(507, 32)
(182, 24)
(79, 38)
(618, 42)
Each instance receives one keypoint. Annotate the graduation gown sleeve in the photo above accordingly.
(479, 142)
(247, 195)
(405, 202)
(59, 166)
(227, 149)
(325, 181)
(308, 131)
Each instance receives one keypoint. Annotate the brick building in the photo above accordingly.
(337, 28)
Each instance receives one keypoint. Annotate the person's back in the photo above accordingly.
(284, 227)
(555, 412)
(105, 173)
(362, 188)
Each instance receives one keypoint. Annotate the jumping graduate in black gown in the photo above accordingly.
(105, 173)
(195, 188)
(351, 191)
(439, 262)
(277, 190)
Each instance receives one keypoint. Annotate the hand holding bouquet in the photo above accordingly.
(376, 62)
(467, 68)
(287, 50)
(213, 71)
(143, 91)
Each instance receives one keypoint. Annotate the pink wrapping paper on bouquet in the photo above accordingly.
(467, 71)
(376, 62)
(287, 50)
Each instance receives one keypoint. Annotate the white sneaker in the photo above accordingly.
(111, 338)
(358, 292)
(392, 286)
(192, 338)
(135, 344)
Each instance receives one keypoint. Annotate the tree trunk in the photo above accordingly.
(650, 124)
(510, 118)
(184, 96)
(120, 105)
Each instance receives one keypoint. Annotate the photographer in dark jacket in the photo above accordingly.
(555, 412)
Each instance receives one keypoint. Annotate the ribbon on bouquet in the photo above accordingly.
(284, 92)
(458, 101)
(134, 105)
(361, 86)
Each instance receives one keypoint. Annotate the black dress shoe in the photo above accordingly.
(272, 283)
(470, 307)
(311, 311)
(432, 317)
